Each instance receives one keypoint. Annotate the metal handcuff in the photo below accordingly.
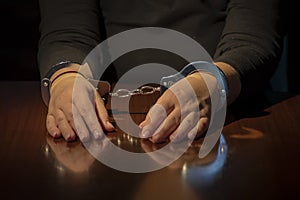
(165, 82)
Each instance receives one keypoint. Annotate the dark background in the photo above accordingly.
(20, 36)
(19, 40)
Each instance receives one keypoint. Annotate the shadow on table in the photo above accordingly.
(255, 107)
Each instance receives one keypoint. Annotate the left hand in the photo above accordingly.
(172, 120)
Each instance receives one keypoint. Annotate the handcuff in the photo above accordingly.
(103, 87)
(203, 66)
(46, 82)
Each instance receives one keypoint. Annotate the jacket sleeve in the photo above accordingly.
(69, 29)
(251, 42)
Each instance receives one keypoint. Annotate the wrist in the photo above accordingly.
(56, 71)
(200, 74)
(204, 78)
(66, 77)
(205, 86)
(233, 81)
(72, 67)
(207, 69)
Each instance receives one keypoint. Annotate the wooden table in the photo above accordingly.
(258, 157)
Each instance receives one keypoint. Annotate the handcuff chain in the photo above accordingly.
(144, 90)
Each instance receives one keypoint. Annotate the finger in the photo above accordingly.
(154, 118)
(102, 113)
(75, 120)
(155, 110)
(143, 123)
(201, 126)
(167, 127)
(64, 126)
(87, 110)
(187, 124)
(205, 109)
(52, 127)
(165, 102)
(79, 125)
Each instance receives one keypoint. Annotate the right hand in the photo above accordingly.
(83, 108)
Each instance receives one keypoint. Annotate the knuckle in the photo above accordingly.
(59, 119)
(175, 119)
(70, 114)
(189, 122)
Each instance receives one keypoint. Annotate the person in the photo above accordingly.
(243, 38)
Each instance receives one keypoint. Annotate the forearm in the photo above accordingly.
(69, 31)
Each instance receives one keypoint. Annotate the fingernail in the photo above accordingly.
(55, 135)
(141, 125)
(145, 134)
(70, 138)
(110, 125)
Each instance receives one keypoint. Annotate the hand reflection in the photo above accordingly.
(72, 156)
(167, 154)
(194, 169)
(190, 156)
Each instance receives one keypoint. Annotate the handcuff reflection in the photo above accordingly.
(205, 172)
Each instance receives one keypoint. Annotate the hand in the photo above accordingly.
(172, 120)
(76, 103)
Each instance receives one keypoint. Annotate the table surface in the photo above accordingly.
(258, 157)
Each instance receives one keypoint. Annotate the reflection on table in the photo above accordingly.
(257, 156)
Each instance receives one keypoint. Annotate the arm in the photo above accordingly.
(69, 31)
(247, 53)
(250, 45)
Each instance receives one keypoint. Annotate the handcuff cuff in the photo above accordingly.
(103, 87)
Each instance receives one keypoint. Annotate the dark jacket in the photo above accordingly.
(242, 33)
